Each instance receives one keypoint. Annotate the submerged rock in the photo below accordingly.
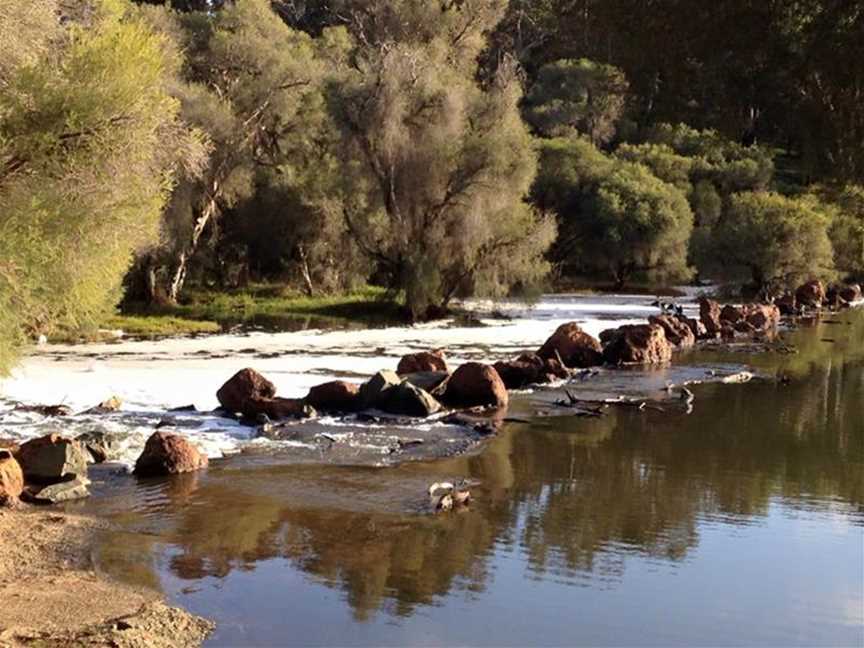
(422, 361)
(574, 347)
(278, 408)
(102, 446)
(11, 479)
(430, 381)
(530, 369)
(65, 491)
(52, 458)
(476, 384)
(246, 384)
(406, 399)
(637, 344)
(112, 404)
(335, 396)
(677, 331)
(787, 304)
(850, 293)
(169, 454)
(697, 328)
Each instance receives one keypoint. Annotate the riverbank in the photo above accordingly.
(53, 595)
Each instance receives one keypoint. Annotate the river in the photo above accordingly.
(740, 522)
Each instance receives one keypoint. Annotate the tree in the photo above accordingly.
(778, 241)
(577, 95)
(434, 168)
(89, 143)
(847, 228)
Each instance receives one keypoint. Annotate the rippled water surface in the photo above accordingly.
(739, 523)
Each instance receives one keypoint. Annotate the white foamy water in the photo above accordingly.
(154, 376)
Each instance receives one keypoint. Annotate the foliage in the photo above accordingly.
(433, 167)
(89, 140)
(780, 242)
(577, 95)
(847, 228)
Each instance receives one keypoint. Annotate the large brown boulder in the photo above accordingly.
(697, 328)
(850, 293)
(406, 399)
(11, 479)
(530, 368)
(709, 315)
(335, 396)
(811, 294)
(762, 317)
(246, 384)
(677, 331)
(52, 458)
(574, 347)
(475, 384)
(277, 408)
(638, 344)
(731, 314)
(422, 361)
(169, 454)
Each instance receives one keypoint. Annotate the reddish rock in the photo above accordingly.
(277, 408)
(727, 332)
(474, 384)
(11, 479)
(709, 315)
(762, 317)
(787, 304)
(811, 294)
(529, 368)
(677, 331)
(246, 384)
(697, 328)
(638, 344)
(52, 458)
(850, 293)
(169, 454)
(743, 326)
(335, 396)
(731, 314)
(575, 347)
(423, 361)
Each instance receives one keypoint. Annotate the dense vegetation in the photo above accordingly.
(434, 148)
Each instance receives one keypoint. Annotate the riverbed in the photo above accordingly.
(739, 522)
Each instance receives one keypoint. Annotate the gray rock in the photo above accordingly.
(63, 491)
(429, 381)
(52, 458)
(372, 390)
(102, 446)
(407, 400)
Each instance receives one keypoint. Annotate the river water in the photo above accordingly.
(739, 523)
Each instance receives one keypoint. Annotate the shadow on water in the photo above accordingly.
(760, 490)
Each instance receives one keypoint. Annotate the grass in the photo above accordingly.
(266, 306)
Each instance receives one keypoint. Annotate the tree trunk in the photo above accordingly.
(178, 275)
(304, 269)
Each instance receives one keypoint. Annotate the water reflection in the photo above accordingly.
(572, 501)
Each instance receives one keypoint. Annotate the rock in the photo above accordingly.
(677, 331)
(731, 314)
(530, 369)
(101, 445)
(762, 317)
(430, 381)
(244, 385)
(11, 479)
(46, 410)
(335, 396)
(372, 390)
(697, 328)
(811, 294)
(727, 332)
(113, 404)
(833, 299)
(278, 408)
(169, 454)
(52, 458)
(638, 344)
(787, 304)
(422, 361)
(851, 293)
(405, 399)
(476, 384)
(65, 491)
(709, 315)
(574, 347)
(743, 326)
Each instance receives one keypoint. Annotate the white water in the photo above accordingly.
(153, 376)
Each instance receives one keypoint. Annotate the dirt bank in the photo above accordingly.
(51, 595)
